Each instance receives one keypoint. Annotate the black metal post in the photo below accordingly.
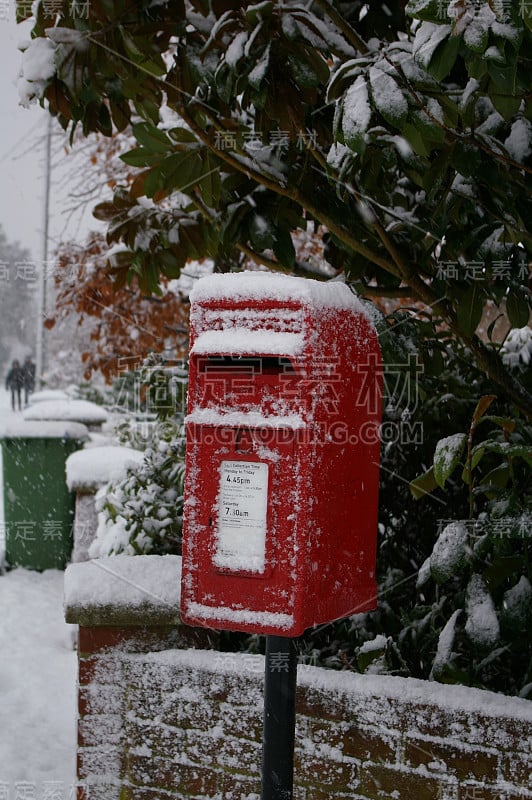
(280, 679)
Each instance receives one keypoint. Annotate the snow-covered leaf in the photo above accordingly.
(344, 75)
(428, 37)
(371, 655)
(519, 141)
(447, 456)
(476, 32)
(444, 654)
(424, 9)
(449, 552)
(356, 114)
(506, 449)
(423, 574)
(260, 70)
(509, 31)
(235, 51)
(258, 11)
(482, 626)
(517, 606)
(435, 49)
(38, 61)
(388, 97)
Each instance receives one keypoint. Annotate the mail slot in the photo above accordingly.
(282, 455)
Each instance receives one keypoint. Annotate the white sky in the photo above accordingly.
(21, 155)
(22, 147)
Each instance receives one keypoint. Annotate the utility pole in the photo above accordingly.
(40, 356)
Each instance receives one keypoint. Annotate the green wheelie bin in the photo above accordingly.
(38, 507)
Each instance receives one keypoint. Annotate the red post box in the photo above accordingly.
(280, 519)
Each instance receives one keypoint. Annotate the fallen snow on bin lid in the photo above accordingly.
(240, 341)
(95, 466)
(77, 410)
(123, 584)
(46, 395)
(43, 430)
(271, 286)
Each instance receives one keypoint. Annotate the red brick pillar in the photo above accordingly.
(123, 607)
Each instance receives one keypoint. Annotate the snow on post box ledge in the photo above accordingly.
(124, 590)
(239, 341)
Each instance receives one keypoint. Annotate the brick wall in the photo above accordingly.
(157, 722)
(159, 719)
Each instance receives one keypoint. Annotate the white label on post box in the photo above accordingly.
(242, 510)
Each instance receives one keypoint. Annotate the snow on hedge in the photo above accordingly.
(38, 67)
(92, 468)
(517, 349)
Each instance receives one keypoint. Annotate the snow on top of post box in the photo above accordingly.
(255, 285)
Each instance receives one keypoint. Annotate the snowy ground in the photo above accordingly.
(37, 683)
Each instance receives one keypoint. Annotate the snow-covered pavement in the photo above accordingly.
(37, 683)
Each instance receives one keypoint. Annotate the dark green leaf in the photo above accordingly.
(151, 137)
(503, 76)
(509, 450)
(283, 247)
(470, 305)
(424, 484)
(506, 105)
(209, 183)
(415, 139)
(182, 135)
(517, 308)
(444, 57)
(141, 157)
(154, 181)
(302, 73)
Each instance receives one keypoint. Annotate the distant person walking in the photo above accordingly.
(29, 378)
(15, 382)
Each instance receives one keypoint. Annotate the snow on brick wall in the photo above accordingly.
(157, 721)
